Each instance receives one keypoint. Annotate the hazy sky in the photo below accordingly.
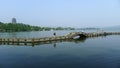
(70, 13)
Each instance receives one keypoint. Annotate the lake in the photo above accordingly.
(96, 52)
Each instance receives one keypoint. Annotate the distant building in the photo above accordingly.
(14, 20)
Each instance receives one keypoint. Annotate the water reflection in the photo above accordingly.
(54, 44)
(63, 54)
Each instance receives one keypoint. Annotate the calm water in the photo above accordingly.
(99, 52)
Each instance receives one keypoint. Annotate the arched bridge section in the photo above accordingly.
(74, 34)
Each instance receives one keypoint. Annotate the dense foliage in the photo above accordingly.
(16, 27)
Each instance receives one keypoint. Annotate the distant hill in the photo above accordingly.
(17, 27)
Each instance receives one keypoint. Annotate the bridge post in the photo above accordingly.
(25, 42)
(33, 41)
(8, 41)
(4, 40)
(18, 41)
(0, 40)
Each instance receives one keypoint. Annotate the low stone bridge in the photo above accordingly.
(69, 36)
(74, 34)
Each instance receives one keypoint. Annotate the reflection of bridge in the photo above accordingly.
(69, 36)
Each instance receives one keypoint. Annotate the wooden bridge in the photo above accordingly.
(69, 36)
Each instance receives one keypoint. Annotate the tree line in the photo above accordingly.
(17, 27)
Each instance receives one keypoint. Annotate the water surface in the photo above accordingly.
(97, 52)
